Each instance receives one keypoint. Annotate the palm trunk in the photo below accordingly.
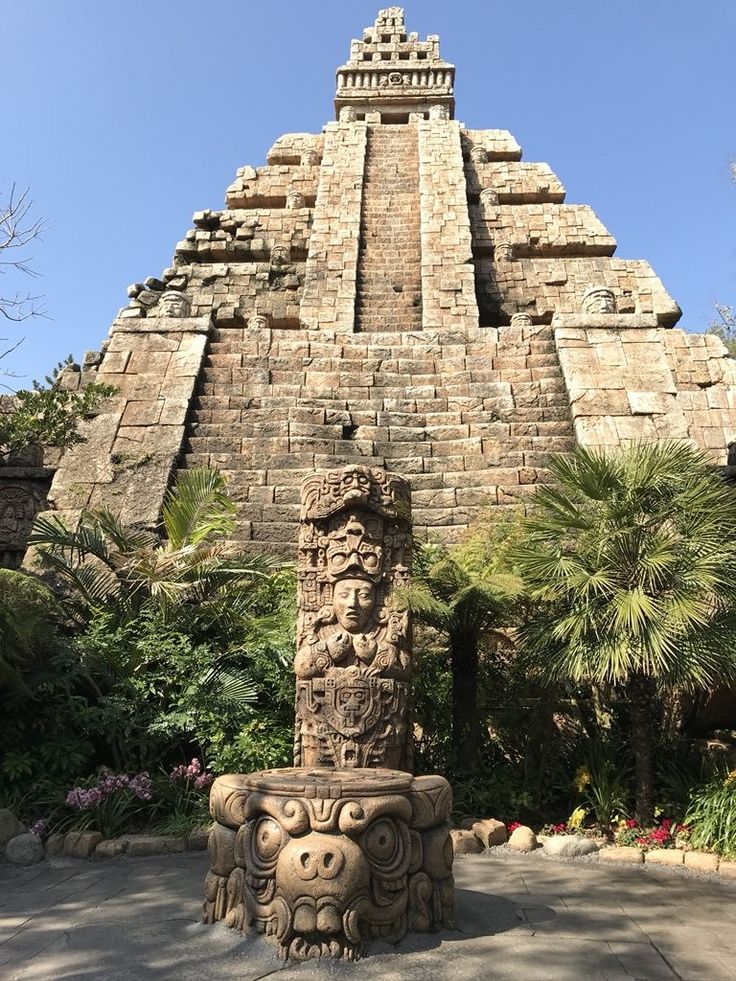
(465, 721)
(640, 692)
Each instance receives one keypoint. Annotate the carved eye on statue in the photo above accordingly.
(268, 840)
(386, 845)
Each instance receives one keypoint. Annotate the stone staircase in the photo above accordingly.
(389, 293)
(469, 421)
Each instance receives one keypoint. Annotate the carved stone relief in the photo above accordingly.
(353, 650)
(173, 304)
(322, 861)
(599, 299)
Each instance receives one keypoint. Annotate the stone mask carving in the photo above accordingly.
(294, 200)
(599, 299)
(173, 304)
(323, 860)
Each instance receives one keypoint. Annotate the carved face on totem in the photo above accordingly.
(348, 114)
(353, 601)
(599, 299)
(355, 543)
(479, 154)
(488, 197)
(503, 252)
(173, 304)
(310, 158)
(439, 112)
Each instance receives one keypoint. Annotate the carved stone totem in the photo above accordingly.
(347, 846)
(353, 660)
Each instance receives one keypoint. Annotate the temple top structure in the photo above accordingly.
(394, 73)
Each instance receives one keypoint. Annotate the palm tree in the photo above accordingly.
(633, 558)
(119, 567)
(464, 594)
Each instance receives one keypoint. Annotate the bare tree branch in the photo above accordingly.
(17, 230)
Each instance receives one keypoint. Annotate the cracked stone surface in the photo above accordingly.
(518, 917)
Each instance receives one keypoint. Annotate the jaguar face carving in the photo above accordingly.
(323, 871)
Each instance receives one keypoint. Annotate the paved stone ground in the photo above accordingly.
(519, 918)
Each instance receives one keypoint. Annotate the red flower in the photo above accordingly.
(512, 826)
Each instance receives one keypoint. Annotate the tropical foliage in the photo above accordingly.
(465, 595)
(632, 560)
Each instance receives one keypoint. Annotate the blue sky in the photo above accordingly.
(125, 118)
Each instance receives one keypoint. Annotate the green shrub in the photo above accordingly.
(712, 816)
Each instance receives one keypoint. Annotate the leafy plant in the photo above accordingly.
(467, 595)
(111, 566)
(632, 559)
(49, 417)
(712, 816)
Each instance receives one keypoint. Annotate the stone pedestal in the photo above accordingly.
(323, 860)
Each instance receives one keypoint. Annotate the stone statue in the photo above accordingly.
(323, 860)
(295, 200)
(479, 155)
(352, 662)
(310, 158)
(258, 321)
(439, 112)
(346, 846)
(521, 320)
(283, 274)
(503, 252)
(599, 299)
(280, 255)
(173, 304)
(488, 197)
(348, 114)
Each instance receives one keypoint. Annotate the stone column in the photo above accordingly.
(353, 660)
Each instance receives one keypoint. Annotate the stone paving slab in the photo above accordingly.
(519, 918)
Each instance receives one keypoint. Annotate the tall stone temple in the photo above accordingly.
(397, 290)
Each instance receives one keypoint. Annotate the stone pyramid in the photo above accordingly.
(398, 291)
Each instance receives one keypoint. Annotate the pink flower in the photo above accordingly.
(203, 780)
(512, 826)
(38, 827)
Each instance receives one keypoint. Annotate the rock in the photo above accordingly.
(54, 845)
(111, 847)
(701, 861)
(490, 832)
(727, 869)
(464, 842)
(621, 853)
(467, 823)
(10, 826)
(523, 839)
(140, 846)
(197, 840)
(24, 849)
(665, 856)
(569, 846)
(81, 844)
